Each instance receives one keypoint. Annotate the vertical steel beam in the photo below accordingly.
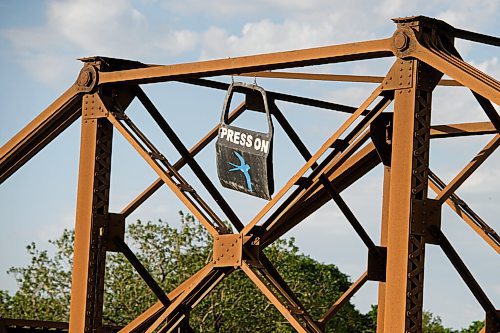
(383, 242)
(413, 82)
(90, 228)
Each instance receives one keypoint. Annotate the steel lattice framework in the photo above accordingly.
(423, 49)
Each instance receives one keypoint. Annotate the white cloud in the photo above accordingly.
(78, 28)
(266, 36)
(96, 26)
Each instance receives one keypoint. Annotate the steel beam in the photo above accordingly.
(467, 214)
(63, 112)
(383, 242)
(346, 296)
(464, 129)
(312, 160)
(165, 176)
(307, 57)
(195, 167)
(333, 77)
(466, 275)
(87, 286)
(472, 166)
(277, 96)
(151, 189)
(424, 48)
(457, 69)
(408, 189)
(143, 272)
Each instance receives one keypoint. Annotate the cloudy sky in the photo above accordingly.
(41, 40)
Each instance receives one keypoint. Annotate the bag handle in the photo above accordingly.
(241, 87)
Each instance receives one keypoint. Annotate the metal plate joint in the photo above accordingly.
(116, 229)
(400, 76)
(228, 250)
(381, 135)
(93, 107)
(425, 214)
(377, 263)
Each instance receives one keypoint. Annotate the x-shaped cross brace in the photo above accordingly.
(243, 250)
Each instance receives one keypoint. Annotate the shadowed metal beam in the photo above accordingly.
(333, 77)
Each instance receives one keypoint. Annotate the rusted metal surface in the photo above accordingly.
(92, 208)
(333, 77)
(308, 57)
(39, 132)
(423, 50)
(465, 129)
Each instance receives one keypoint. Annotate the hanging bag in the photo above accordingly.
(244, 157)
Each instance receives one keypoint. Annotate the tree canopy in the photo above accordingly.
(172, 255)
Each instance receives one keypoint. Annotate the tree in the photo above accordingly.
(172, 255)
(475, 327)
(433, 324)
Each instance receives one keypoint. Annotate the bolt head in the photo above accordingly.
(401, 41)
(85, 78)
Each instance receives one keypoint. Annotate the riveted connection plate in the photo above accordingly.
(228, 250)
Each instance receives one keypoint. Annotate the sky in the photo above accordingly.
(40, 42)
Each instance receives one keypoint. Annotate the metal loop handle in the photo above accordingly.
(250, 87)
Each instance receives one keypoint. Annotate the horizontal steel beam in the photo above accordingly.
(463, 129)
(278, 96)
(333, 77)
(306, 57)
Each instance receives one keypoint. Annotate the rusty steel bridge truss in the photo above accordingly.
(423, 49)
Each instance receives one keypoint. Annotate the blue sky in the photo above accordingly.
(41, 40)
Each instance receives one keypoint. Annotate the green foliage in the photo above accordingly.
(43, 285)
(172, 255)
(475, 327)
(433, 324)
